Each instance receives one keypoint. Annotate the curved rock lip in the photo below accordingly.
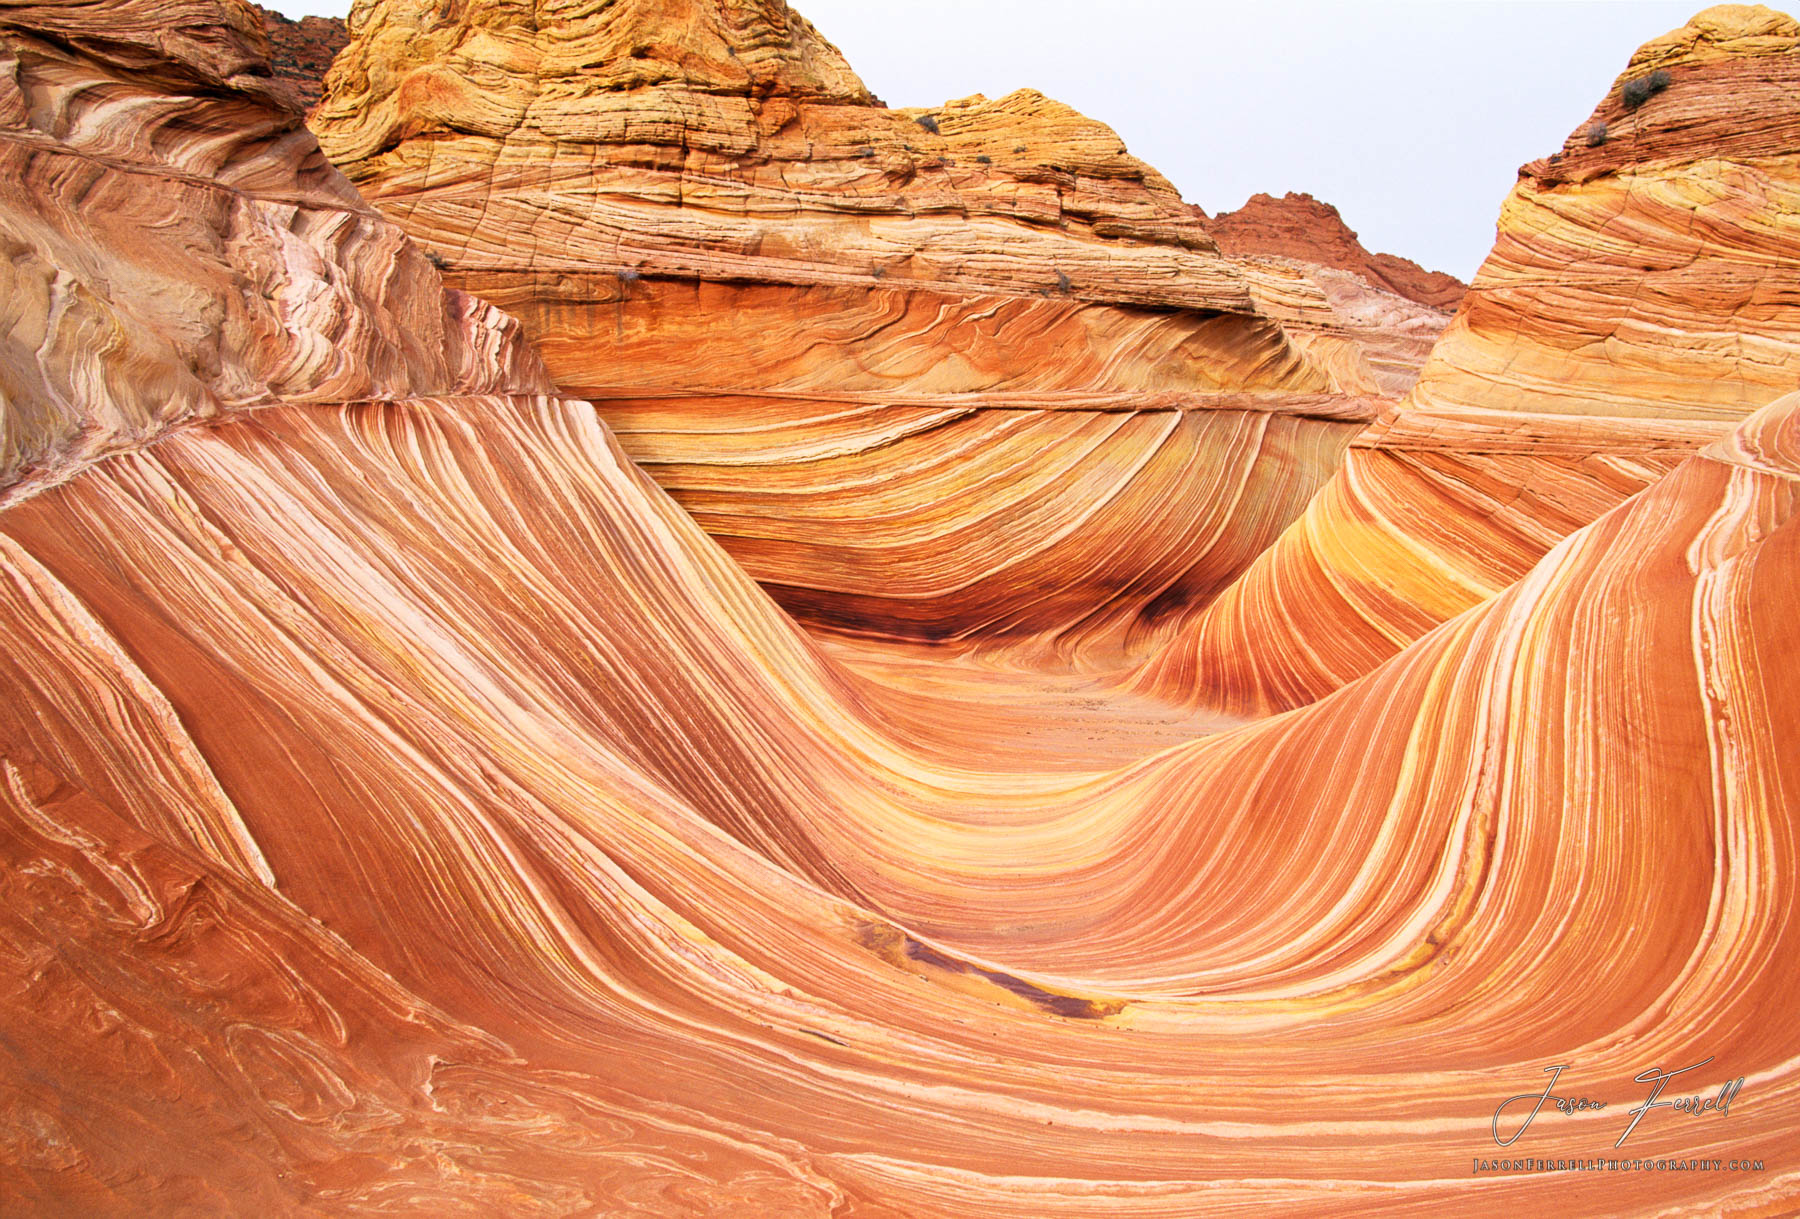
(710, 229)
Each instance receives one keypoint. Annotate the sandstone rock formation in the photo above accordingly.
(406, 808)
(1643, 293)
(1368, 334)
(1649, 274)
(301, 51)
(163, 212)
(1302, 228)
(970, 372)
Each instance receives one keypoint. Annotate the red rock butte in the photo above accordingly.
(1298, 226)
(626, 630)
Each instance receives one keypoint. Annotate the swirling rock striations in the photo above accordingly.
(168, 208)
(1295, 250)
(966, 372)
(1644, 291)
(406, 808)
(1305, 229)
(1364, 335)
(1428, 516)
(583, 901)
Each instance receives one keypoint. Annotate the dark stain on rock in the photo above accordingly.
(899, 948)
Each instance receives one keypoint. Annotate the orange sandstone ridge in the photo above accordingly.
(1300, 227)
(1640, 298)
(170, 205)
(1647, 269)
(971, 372)
(406, 807)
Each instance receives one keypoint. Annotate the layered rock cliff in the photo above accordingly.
(965, 372)
(406, 808)
(1643, 292)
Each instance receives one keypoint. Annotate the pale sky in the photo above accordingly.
(1412, 116)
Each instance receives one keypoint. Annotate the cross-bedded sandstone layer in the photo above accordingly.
(1646, 270)
(405, 807)
(1643, 293)
(959, 373)
(178, 250)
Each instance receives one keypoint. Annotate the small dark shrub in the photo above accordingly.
(985, 159)
(437, 260)
(928, 122)
(1637, 92)
(878, 272)
(1063, 283)
(1596, 135)
(628, 276)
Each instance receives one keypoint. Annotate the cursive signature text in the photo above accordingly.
(1693, 1106)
